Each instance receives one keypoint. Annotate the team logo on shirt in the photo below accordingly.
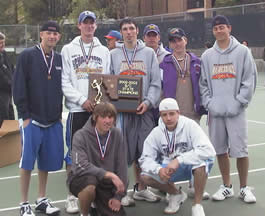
(136, 68)
(179, 148)
(223, 71)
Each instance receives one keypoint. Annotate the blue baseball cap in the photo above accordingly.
(151, 28)
(113, 34)
(86, 14)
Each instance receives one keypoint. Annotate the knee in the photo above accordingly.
(89, 191)
(199, 171)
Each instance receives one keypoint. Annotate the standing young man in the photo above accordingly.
(38, 96)
(176, 150)
(99, 169)
(227, 85)
(6, 72)
(112, 38)
(84, 55)
(152, 39)
(135, 59)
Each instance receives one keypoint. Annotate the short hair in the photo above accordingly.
(104, 109)
(2, 36)
(128, 20)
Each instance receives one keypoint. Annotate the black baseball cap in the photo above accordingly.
(50, 26)
(176, 33)
(220, 19)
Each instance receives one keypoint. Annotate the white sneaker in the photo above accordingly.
(44, 205)
(146, 195)
(127, 201)
(191, 193)
(223, 193)
(246, 194)
(71, 204)
(197, 210)
(174, 202)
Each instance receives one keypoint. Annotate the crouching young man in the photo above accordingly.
(99, 168)
(176, 150)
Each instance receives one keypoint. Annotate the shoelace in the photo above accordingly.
(72, 202)
(27, 209)
(47, 202)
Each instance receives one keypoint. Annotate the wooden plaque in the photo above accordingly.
(124, 92)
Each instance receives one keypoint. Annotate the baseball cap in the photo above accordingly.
(176, 33)
(50, 26)
(86, 14)
(220, 19)
(151, 28)
(168, 104)
(113, 34)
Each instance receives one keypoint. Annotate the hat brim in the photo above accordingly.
(109, 37)
(152, 31)
(93, 18)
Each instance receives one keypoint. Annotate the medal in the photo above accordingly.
(178, 67)
(129, 62)
(46, 62)
(170, 143)
(102, 149)
(86, 57)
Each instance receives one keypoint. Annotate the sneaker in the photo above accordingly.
(246, 194)
(223, 192)
(197, 210)
(25, 210)
(174, 202)
(127, 201)
(146, 195)
(71, 204)
(191, 193)
(44, 205)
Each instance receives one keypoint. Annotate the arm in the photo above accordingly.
(204, 85)
(153, 94)
(150, 153)
(81, 161)
(121, 169)
(202, 148)
(70, 92)
(247, 84)
(20, 86)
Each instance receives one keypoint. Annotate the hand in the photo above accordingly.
(116, 181)
(164, 174)
(173, 165)
(141, 109)
(88, 106)
(26, 123)
(114, 204)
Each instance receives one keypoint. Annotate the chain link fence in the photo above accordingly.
(248, 23)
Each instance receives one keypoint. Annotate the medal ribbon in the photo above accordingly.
(182, 72)
(170, 143)
(86, 57)
(129, 62)
(101, 148)
(45, 60)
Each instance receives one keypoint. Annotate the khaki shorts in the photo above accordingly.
(229, 135)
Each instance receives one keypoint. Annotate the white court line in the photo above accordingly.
(211, 177)
(258, 122)
(60, 171)
(33, 174)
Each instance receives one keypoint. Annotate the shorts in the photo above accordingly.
(135, 130)
(229, 135)
(105, 190)
(75, 121)
(44, 144)
(183, 173)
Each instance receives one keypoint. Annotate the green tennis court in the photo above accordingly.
(10, 192)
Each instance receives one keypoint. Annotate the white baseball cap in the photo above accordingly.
(168, 104)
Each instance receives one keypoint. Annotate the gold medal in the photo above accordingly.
(49, 77)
